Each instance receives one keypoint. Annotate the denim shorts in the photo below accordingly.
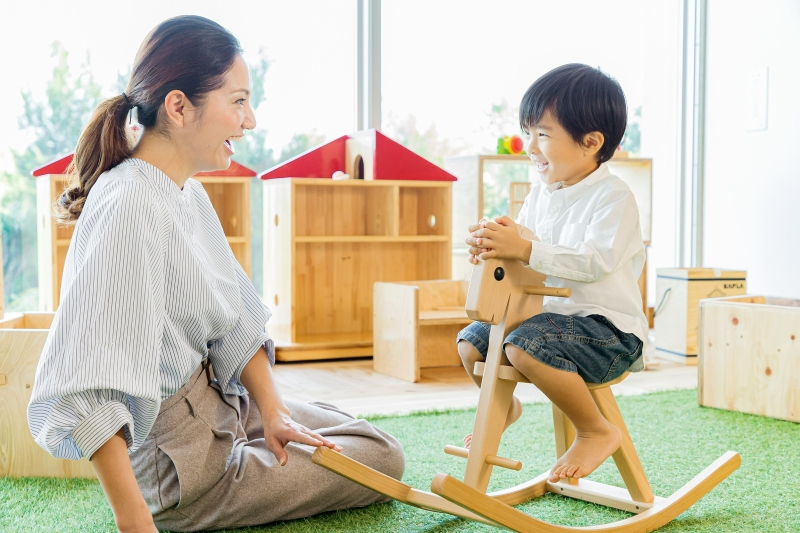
(591, 346)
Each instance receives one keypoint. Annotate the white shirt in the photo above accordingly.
(589, 241)
(150, 289)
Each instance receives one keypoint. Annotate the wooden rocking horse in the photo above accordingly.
(504, 293)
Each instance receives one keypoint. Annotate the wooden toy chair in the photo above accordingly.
(504, 293)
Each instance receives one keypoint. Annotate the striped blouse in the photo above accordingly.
(150, 289)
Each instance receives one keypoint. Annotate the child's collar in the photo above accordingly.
(575, 191)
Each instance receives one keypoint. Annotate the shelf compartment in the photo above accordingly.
(424, 211)
(371, 239)
(334, 281)
(229, 196)
(324, 346)
(343, 211)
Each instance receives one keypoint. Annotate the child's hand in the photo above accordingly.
(498, 238)
(475, 227)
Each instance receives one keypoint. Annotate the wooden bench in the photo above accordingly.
(415, 324)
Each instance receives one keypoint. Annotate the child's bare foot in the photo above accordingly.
(587, 453)
(514, 412)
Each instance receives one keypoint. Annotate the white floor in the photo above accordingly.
(353, 386)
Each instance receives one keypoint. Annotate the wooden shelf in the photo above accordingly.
(230, 197)
(372, 238)
(324, 182)
(328, 242)
(324, 346)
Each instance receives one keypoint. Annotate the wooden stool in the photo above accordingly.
(504, 293)
(414, 326)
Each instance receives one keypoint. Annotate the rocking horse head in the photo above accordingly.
(497, 284)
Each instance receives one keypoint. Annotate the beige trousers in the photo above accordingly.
(205, 464)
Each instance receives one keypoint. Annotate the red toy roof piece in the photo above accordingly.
(237, 170)
(319, 162)
(59, 166)
(393, 161)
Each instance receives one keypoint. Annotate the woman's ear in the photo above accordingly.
(175, 107)
(592, 143)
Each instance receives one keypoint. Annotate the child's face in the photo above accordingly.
(557, 156)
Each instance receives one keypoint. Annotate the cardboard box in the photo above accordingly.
(678, 295)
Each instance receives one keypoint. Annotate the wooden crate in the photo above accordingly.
(22, 338)
(326, 243)
(749, 356)
(228, 190)
(678, 295)
(415, 325)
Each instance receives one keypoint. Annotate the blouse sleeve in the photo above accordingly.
(231, 353)
(100, 365)
(612, 236)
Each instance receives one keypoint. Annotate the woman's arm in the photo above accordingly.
(113, 468)
(279, 428)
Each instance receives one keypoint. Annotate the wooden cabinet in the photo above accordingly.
(229, 194)
(327, 242)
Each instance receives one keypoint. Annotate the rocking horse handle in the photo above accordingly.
(549, 291)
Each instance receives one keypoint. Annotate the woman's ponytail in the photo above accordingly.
(102, 146)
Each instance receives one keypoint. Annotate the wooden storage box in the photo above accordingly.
(678, 295)
(326, 243)
(415, 325)
(22, 338)
(749, 356)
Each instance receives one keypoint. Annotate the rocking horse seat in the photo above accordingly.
(509, 373)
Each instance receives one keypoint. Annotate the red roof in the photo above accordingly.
(59, 166)
(391, 161)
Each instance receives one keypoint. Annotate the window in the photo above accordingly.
(453, 73)
(304, 53)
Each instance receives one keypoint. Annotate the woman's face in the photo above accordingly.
(221, 121)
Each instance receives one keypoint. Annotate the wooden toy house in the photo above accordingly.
(229, 191)
(327, 241)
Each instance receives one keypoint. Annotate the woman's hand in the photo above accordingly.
(280, 430)
(498, 238)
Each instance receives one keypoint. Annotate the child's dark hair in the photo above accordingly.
(582, 99)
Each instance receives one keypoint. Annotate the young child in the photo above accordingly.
(586, 237)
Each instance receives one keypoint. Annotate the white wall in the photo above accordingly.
(752, 178)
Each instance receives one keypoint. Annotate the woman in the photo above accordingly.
(153, 301)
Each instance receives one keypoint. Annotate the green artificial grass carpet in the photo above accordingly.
(675, 438)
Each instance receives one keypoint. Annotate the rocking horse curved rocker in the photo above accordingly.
(504, 293)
